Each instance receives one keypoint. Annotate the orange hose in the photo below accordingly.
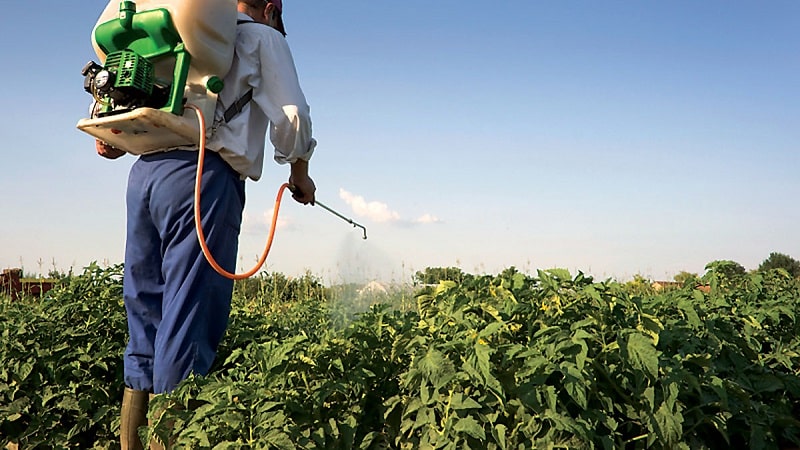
(198, 224)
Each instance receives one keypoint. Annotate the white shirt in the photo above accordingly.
(262, 61)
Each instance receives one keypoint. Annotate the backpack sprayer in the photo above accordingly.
(157, 63)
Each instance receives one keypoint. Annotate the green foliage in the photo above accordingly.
(639, 285)
(60, 374)
(726, 268)
(273, 288)
(519, 362)
(516, 361)
(781, 261)
(685, 277)
(434, 275)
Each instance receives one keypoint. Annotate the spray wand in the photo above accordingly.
(326, 208)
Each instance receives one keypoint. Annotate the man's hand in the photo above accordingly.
(107, 151)
(302, 185)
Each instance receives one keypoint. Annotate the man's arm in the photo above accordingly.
(283, 101)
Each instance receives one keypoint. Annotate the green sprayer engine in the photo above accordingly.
(128, 79)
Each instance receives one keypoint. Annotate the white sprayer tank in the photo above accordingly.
(207, 28)
(208, 31)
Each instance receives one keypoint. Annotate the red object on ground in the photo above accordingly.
(11, 284)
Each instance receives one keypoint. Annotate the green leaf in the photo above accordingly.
(649, 395)
(690, 311)
(425, 417)
(545, 330)
(551, 397)
(768, 383)
(479, 364)
(583, 323)
(444, 286)
(460, 402)
(669, 419)
(580, 338)
(366, 443)
(641, 353)
(491, 329)
(436, 367)
(499, 434)
(533, 365)
(519, 280)
(471, 427)
(280, 440)
(651, 326)
(24, 370)
(560, 274)
(575, 385)
(413, 405)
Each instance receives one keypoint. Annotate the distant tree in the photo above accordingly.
(727, 268)
(684, 276)
(55, 274)
(433, 275)
(781, 261)
(640, 285)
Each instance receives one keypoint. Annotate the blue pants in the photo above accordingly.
(177, 304)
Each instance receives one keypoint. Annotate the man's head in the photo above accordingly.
(268, 12)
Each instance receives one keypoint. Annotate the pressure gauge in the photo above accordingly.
(104, 80)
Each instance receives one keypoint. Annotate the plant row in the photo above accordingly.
(511, 361)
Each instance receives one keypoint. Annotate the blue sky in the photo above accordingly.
(615, 138)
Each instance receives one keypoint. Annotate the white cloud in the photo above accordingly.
(376, 211)
(427, 218)
(380, 212)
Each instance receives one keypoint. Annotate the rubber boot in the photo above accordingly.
(133, 416)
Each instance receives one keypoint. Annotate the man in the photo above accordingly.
(177, 305)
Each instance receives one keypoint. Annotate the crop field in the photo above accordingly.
(508, 361)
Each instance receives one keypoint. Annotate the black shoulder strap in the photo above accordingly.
(237, 106)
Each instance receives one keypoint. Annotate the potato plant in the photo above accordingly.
(511, 361)
(60, 371)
